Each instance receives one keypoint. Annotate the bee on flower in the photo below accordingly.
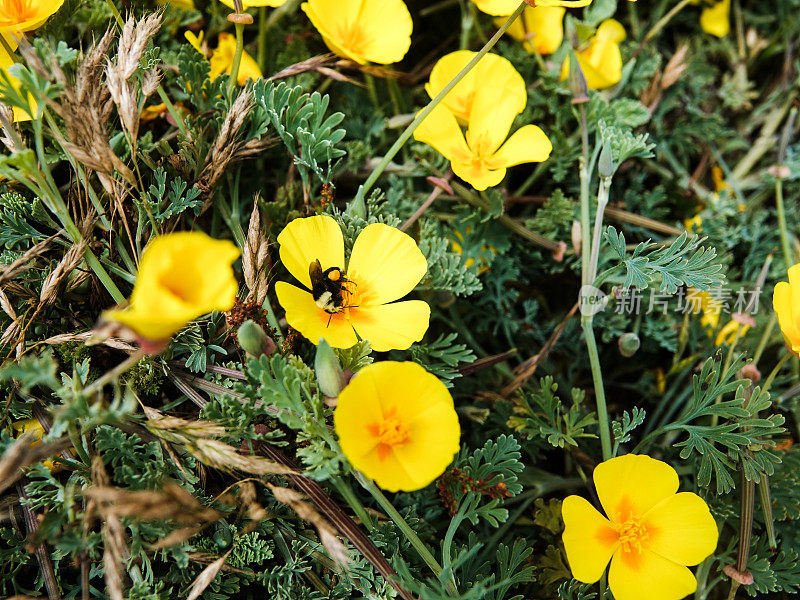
(397, 425)
(342, 304)
(650, 533)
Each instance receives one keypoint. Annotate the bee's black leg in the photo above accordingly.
(330, 316)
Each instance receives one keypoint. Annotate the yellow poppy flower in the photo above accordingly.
(377, 31)
(491, 71)
(385, 265)
(786, 303)
(539, 28)
(18, 16)
(6, 60)
(181, 277)
(730, 331)
(650, 533)
(481, 158)
(397, 425)
(601, 60)
(254, 3)
(34, 428)
(222, 60)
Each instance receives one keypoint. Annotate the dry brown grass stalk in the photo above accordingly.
(255, 258)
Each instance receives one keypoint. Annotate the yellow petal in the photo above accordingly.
(392, 326)
(499, 8)
(634, 576)
(490, 120)
(588, 539)
(611, 30)
(385, 264)
(540, 28)
(477, 174)
(357, 30)
(682, 529)
(715, 20)
(527, 144)
(782, 305)
(222, 61)
(633, 483)
(17, 17)
(303, 241)
(424, 406)
(305, 316)
(492, 70)
(441, 131)
(566, 3)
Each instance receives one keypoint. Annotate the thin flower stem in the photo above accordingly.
(350, 497)
(662, 22)
(261, 54)
(125, 365)
(599, 391)
(784, 231)
(602, 201)
(766, 508)
(237, 59)
(402, 525)
(762, 343)
(407, 133)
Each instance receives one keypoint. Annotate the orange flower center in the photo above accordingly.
(13, 12)
(390, 432)
(632, 533)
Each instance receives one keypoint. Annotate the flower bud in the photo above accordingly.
(357, 207)
(628, 344)
(605, 164)
(330, 377)
(577, 81)
(254, 340)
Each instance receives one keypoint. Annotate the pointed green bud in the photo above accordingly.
(577, 81)
(605, 164)
(357, 207)
(254, 340)
(330, 377)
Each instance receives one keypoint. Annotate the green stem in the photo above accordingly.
(350, 497)
(599, 391)
(261, 55)
(766, 508)
(421, 115)
(784, 231)
(762, 343)
(401, 523)
(237, 59)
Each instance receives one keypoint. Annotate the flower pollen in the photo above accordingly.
(632, 532)
(390, 432)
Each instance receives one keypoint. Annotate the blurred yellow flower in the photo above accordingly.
(254, 3)
(649, 534)
(20, 114)
(715, 19)
(502, 8)
(338, 303)
(730, 331)
(365, 31)
(786, 303)
(539, 28)
(221, 58)
(481, 158)
(491, 71)
(184, 4)
(34, 428)
(397, 425)
(182, 276)
(601, 60)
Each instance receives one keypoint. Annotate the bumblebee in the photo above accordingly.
(328, 287)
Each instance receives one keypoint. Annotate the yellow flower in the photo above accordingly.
(730, 331)
(18, 16)
(254, 3)
(539, 28)
(601, 61)
(20, 114)
(385, 265)
(184, 4)
(786, 303)
(715, 19)
(481, 158)
(397, 425)
(181, 277)
(491, 71)
(650, 533)
(34, 428)
(222, 60)
(376, 31)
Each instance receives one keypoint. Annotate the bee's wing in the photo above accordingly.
(317, 280)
